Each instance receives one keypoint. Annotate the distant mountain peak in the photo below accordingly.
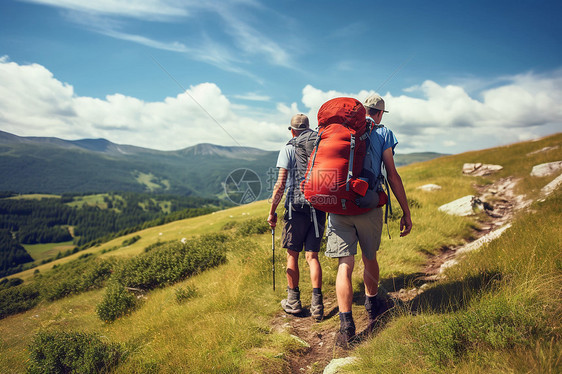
(207, 149)
(102, 145)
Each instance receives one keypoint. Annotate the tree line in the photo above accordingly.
(48, 220)
(13, 255)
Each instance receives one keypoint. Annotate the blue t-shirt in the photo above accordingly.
(381, 139)
(287, 160)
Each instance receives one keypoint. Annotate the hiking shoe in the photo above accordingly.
(317, 307)
(377, 309)
(292, 304)
(345, 336)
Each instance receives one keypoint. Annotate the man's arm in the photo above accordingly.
(398, 189)
(278, 191)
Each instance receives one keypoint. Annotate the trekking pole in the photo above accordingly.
(273, 250)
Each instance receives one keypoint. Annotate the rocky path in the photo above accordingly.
(500, 202)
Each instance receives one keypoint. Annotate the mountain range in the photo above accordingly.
(53, 165)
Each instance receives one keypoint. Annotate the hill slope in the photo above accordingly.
(52, 165)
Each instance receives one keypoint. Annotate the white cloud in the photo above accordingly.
(441, 118)
(34, 103)
(447, 119)
(141, 9)
(171, 46)
(252, 96)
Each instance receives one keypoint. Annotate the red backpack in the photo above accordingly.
(332, 181)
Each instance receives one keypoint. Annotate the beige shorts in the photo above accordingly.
(344, 232)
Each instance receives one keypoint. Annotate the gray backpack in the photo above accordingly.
(304, 145)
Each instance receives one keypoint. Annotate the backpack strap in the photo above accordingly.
(388, 206)
(350, 166)
(292, 142)
(315, 220)
(314, 150)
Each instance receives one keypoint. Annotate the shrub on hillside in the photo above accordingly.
(159, 267)
(116, 303)
(185, 293)
(132, 240)
(71, 278)
(72, 352)
(152, 246)
(230, 225)
(18, 299)
(173, 262)
(253, 226)
(75, 277)
(12, 282)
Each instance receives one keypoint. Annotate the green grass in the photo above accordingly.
(149, 181)
(50, 250)
(91, 200)
(498, 311)
(35, 196)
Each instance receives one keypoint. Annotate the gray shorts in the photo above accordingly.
(299, 231)
(344, 232)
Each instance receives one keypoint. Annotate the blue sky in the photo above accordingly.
(456, 75)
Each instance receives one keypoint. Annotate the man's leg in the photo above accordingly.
(369, 231)
(317, 300)
(315, 269)
(344, 288)
(292, 304)
(371, 275)
(375, 305)
(292, 269)
(344, 292)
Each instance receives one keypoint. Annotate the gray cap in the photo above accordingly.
(299, 122)
(375, 102)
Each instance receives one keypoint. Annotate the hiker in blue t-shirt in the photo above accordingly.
(303, 225)
(344, 232)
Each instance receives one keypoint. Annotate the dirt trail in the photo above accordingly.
(498, 200)
(319, 336)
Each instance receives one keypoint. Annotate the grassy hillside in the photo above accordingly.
(498, 310)
(45, 168)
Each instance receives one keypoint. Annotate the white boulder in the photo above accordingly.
(338, 363)
(552, 186)
(493, 235)
(544, 170)
(480, 169)
(545, 149)
(429, 187)
(460, 207)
